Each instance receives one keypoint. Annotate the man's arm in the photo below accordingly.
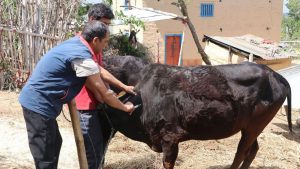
(108, 77)
(88, 68)
(95, 84)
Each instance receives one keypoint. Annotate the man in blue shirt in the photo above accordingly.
(56, 80)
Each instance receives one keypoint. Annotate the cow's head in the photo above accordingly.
(125, 68)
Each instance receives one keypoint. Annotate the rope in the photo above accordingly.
(63, 112)
(113, 131)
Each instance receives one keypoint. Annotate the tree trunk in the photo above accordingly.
(184, 12)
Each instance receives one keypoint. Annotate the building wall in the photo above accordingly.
(231, 18)
(277, 64)
(219, 55)
(152, 39)
(292, 74)
(116, 6)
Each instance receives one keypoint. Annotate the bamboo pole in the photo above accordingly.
(24, 27)
(78, 135)
(31, 29)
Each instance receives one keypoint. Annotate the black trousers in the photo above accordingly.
(44, 139)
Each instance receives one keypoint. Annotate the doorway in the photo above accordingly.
(172, 48)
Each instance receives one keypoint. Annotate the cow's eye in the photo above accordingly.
(163, 87)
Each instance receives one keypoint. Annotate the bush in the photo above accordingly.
(119, 45)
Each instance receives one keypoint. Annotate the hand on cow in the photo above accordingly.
(129, 107)
(129, 89)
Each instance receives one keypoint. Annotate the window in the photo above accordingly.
(207, 10)
(127, 4)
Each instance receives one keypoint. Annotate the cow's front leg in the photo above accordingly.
(170, 152)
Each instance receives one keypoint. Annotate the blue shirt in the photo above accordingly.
(54, 82)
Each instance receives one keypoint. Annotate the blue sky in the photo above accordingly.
(285, 10)
(94, 1)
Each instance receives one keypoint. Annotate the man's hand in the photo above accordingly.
(129, 107)
(129, 89)
(109, 78)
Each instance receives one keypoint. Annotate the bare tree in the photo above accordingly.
(182, 6)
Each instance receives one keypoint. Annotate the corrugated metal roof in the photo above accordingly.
(292, 74)
(251, 44)
(148, 14)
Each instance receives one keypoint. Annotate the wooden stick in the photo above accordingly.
(29, 33)
(78, 135)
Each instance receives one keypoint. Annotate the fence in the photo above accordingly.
(28, 29)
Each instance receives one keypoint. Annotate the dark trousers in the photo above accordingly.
(92, 135)
(96, 133)
(44, 139)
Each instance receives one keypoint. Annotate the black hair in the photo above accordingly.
(100, 10)
(94, 29)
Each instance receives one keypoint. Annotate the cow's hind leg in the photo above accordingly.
(170, 152)
(252, 153)
(246, 145)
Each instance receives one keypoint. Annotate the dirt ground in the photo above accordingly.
(278, 148)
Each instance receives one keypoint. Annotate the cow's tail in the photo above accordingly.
(288, 108)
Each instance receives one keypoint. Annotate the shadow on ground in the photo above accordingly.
(295, 136)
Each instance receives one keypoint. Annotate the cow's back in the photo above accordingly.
(198, 99)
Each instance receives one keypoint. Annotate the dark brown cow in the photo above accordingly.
(126, 68)
(203, 103)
